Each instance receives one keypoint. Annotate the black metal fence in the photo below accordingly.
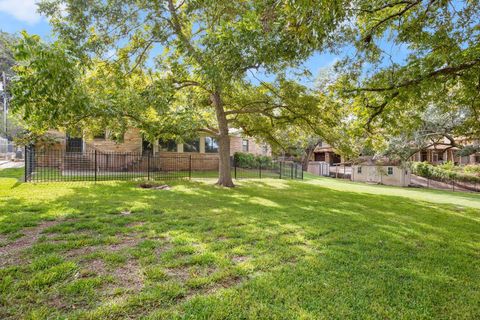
(58, 165)
(445, 184)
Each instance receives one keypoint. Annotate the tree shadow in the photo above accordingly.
(291, 232)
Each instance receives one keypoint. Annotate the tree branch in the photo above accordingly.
(433, 74)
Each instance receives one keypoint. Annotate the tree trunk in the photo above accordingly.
(224, 172)
(307, 154)
(305, 161)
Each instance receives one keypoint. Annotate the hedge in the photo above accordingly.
(427, 170)
(248, 160)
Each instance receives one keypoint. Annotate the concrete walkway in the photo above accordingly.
(11, 164)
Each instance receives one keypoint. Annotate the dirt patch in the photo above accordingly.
(124, 243)
(240, 259)
(212, 289)
(130, 276)
(224, 284)
(97, 266)
(154, 186)
(181, 274)
(164, 248)
(10, 253)
(82, 251)
(135, 224)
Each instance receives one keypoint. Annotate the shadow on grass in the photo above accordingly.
(314, 251)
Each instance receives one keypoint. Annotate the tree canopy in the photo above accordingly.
(176, 68)
(190, 59)
(412, 59)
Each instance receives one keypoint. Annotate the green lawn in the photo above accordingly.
(268, 249)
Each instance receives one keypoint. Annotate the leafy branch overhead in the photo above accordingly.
(411, 59)
(177, 68)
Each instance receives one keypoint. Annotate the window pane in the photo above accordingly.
(192, 145)
(245, 145)
(99, 135)
(265, 149)
(147, 146)
(211, 145)
(169, 145)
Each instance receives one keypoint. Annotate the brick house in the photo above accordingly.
(71, 153)
(133, 142)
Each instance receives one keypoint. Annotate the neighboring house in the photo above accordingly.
(325, 153)
(443, 152)
(133, 142)
(381, 172)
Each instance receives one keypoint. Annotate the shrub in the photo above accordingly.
(449, 166)
(248, 160)
(427, 170)
(472, 168)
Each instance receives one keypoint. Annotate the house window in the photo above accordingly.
(319, 156)
(192, 145)
(265, 149)
(147, 146)
(99, 136)
(169, 145)
(359, 169)
(245, 145)
(211, 145)
(423, 156)
(390, 171)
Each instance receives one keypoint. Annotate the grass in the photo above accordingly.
(276, 249)
(53, 174)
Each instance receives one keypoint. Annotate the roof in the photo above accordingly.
(376, 161)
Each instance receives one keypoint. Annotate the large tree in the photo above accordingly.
(201, 52)
(410, 57)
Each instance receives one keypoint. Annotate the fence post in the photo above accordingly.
(453, 184)
(280, 169)
(190, 168)
(260, 169)
(95, 166)
(302, 172)
(26, 162)
(291, 171)
(235, 167)
(148, 166)
(296, 171)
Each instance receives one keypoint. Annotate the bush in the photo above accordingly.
(427, 170)
(473, 169)
(248, 160)
(448, 166)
